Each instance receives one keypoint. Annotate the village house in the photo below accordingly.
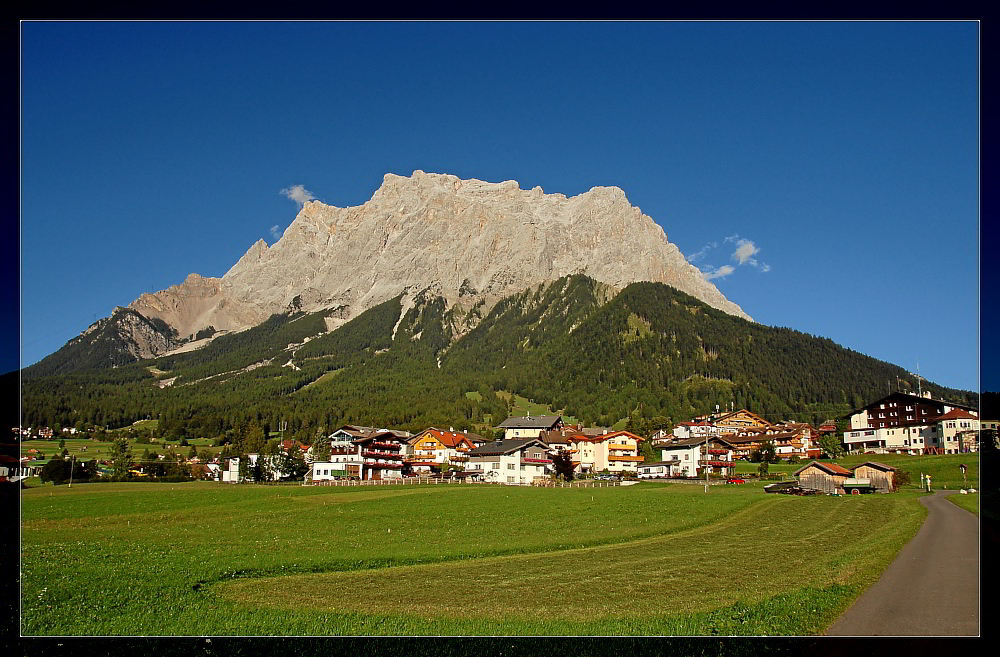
(910, 424)
(827, 477)
(956, 431)
(694, 455)
(510, 461)
(363, 453)
(658, 470)
(529, 426)
(595, 449)
(614, 451)
(791, 440)
(434, 448)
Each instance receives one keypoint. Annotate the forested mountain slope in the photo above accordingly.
(648, 351)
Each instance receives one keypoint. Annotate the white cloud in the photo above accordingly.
(745, 249)
(721, 272)
(275, 232)
(298, 193)
(701, 254)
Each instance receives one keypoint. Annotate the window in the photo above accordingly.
(881, 406)
(510, 466)
(909, 408)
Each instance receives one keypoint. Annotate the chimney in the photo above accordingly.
(451, 429)
(927, 395)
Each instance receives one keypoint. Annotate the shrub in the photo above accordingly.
(900, 478)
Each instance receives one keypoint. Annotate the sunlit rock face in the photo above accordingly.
(468, 240)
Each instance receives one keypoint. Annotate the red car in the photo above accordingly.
(736, 480)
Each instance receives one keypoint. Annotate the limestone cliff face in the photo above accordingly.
(470, 239)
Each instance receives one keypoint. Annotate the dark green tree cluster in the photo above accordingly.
(64, 470)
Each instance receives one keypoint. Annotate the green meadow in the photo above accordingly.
(650, 559)
(968, 502)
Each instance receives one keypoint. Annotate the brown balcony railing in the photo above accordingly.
(718, 464)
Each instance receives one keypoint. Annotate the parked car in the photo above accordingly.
(607, 477)
(736, 480)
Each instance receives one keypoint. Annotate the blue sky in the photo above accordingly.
(825, 173)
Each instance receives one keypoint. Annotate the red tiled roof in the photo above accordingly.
(450, 438)
(956, 414)
(831, 468)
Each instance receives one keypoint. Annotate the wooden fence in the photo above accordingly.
(412, 481)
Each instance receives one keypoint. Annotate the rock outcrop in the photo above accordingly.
(472, 240)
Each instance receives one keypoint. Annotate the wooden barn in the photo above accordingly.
(827, 477)
(880, 475)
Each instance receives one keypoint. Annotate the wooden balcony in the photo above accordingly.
(718, 464)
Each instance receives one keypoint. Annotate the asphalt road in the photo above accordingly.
(931, 588)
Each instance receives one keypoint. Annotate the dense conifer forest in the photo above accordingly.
(648, 352)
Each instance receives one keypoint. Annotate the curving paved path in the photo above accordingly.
(931, 588)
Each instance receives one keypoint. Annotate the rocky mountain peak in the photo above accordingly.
(475, 241)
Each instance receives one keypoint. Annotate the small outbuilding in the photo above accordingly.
(880, 475)
(826, 477)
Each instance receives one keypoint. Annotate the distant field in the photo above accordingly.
(214, 559)
(523, 407)
(86, 449)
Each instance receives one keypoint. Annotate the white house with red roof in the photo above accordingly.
(958, 432)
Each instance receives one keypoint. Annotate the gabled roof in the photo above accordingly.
(531, 422)
(732, 414)
(956, 414)
(601, 437)
(694, 440)
(403, 436)
(829, 468)
(508, 446)
(874, 464)
(356, 431)
(448, 438)
(907, 397)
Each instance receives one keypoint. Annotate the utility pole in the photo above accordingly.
(71, 464)
(706, 464)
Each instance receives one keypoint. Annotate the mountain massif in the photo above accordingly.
(433, 304)
(473, 242)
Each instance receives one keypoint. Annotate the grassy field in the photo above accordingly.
(650, 559)
(968, 502)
